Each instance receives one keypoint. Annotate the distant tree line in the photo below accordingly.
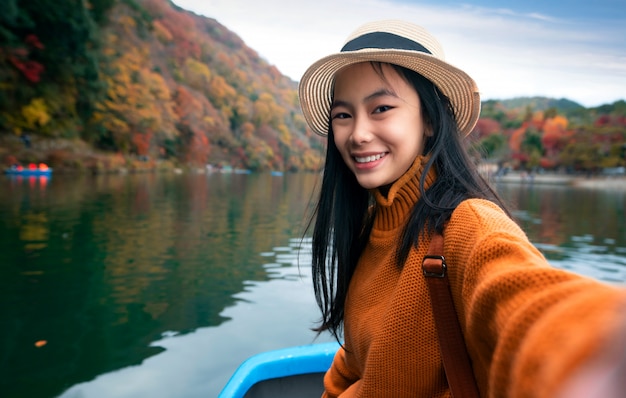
(533, 134)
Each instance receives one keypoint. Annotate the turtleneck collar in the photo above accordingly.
(393, 209)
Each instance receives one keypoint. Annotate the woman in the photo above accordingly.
(397, 172)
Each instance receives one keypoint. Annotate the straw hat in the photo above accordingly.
(395, 42)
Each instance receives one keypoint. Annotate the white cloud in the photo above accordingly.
(508, 53)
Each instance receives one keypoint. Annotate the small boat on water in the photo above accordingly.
(288, 372)
(32, 169)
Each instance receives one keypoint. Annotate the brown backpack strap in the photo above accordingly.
(456, 361)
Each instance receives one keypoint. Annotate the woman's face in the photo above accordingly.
(377, 123)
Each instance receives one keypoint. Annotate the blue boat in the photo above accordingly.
(288, 372)
(28, 171)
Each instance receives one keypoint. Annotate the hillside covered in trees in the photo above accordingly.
(145, 78)
(105, 84)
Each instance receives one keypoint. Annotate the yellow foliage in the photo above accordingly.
(311, 160)
(284, 135)
(36, 113)
(209, 120)
(128, 23)
(197, 74)
(162, 33)
(138, 100)
(266, 111)
(157, 85)
(226, 111)
(247, 130)
(220, 92)
(243, 107)
(299, 122)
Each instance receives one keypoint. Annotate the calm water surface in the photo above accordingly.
(149, 285)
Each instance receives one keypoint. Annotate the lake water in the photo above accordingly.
(160, 285)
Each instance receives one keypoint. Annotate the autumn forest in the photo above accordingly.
(106, 84)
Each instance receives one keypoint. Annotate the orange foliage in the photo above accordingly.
(554, 130)
(247, 130)
(186, 107)
(226, 60)
(515, 142)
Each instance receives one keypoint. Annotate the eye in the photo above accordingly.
(340, 115)
(382, 108)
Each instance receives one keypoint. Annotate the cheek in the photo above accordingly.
(340, 137)
(340, 144)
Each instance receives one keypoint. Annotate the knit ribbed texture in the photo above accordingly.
(527, 325)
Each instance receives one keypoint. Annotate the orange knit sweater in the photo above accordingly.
(526, 324)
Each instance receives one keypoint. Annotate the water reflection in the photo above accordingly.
(101, 267)
(149, 285)
(267, 315)
(582, 230)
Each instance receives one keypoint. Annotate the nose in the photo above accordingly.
(361, 131)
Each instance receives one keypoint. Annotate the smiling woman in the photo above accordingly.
(399, 189)
(377, 125)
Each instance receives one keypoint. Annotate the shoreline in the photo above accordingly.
(595, 182)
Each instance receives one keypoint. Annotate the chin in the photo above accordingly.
(371, 183)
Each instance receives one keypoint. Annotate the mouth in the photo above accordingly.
(369, 158)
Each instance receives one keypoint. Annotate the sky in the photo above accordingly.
(561, 49)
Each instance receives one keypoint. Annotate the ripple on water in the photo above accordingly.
(603, 262)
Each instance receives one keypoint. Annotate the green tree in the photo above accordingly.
(493, 145)
(532, 147)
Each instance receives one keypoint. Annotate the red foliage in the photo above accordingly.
(181, 26)
(142, 142)
(33, 41)
(547, 163)
(603, 120)
(30, 69)
(199, 149)
(608, 120)
(267, 134)
(485, 127)
(522, 157)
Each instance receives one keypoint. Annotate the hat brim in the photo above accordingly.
(316, 85)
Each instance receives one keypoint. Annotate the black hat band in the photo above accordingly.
(383, 40)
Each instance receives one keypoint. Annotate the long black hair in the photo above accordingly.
(345, 211)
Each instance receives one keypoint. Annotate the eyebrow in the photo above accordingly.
(376, 94)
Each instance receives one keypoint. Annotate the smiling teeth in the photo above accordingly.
(367, 159)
